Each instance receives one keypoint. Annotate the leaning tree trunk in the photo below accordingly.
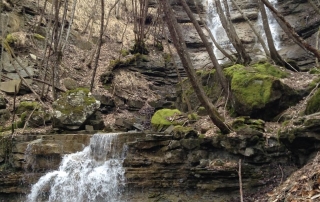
(291, 30)
(232, 34)
(273, 51)
(222, 78)
(179, 43)
(253, 28)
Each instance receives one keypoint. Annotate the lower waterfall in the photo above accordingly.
(92, 175)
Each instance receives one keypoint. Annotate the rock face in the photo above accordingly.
(159, 163)
(74, 108)
(303, 139)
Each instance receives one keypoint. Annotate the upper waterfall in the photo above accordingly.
(94, 174)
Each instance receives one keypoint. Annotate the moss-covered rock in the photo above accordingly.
(245, 121)
(73, 108)
(258, 91)
(164, 118)
(313, 105)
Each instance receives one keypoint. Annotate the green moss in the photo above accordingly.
(139, 47)
(313, 105)
(10, 38)
(270, 70)
(128, 61)
(166, 57)
(205, 72)
(159, 46)
(124, 52)
(202, 136)
(39, 37)
(64, 105)
(252, 85)
(314, 71)
(193, 116)
(27, 106)
(182, 129)
(161, 117)
(285, 123)
(314, 83)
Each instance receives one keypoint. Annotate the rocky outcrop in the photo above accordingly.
(303, 138)
(74, 109)
(177, 162)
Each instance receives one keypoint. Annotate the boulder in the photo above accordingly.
(74, 108)
(258, 91)
(163, 118)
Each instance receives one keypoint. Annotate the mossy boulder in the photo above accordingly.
(258, 91)
(163, 118)
(313, 105)
(73, 109)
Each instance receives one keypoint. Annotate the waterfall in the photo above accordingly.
(92, 175)
(217, 30)
(221, 37)
(273, 24)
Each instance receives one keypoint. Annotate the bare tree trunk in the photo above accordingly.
(222, 78)
(179, 43)
(232, 34)
(70, 24)
(99, 46)
(57, 52)
(292, 32)
(273, 52)
(103, 28)
(317, 46)
(253, 28)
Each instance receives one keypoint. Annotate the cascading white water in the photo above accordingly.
(92, 175)
(273, 24)
(221, 37)
(217, 30)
